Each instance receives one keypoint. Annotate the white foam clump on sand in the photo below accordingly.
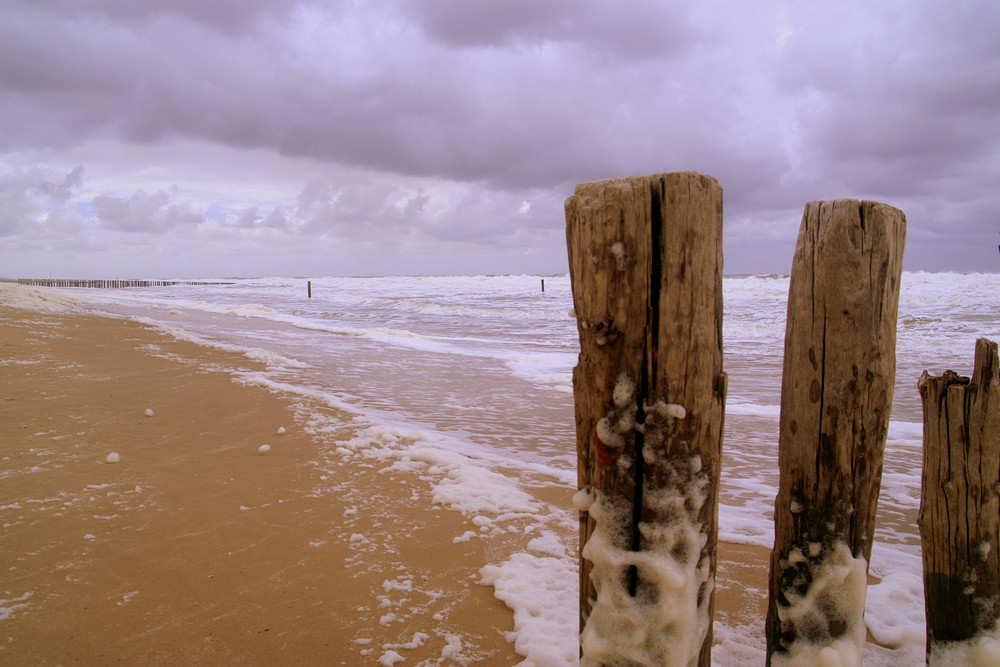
(113, 457)
(738, 644)
(838, 586)
(543, 592)
(264, 449)
(36, 299)
(391, 656)
(894, 611)
(464, 537)
(471, 489)
(149, 412)
(9, 606)
(548, 543)
(281, 430)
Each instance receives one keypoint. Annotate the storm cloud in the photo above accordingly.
(405, 136)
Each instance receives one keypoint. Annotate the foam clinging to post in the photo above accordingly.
(666, 621)
(624, 392)
(828, 615)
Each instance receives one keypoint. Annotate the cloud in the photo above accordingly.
(359, 87)
(143, 212)
(414, 210)
(252, 218)
(612, 28)
(28, 195)
(227, 16)
(432, 121)
(889, 114)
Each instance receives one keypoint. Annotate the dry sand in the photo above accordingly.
(196, 548)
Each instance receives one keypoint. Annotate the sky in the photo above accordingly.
(185, 138)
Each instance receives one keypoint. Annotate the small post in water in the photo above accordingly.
(836, 395)
(960, 505)
(309, 287)
(543, 285)
(645, 257)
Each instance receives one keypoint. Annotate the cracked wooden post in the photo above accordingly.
(836, 395)
(960, 503)
(645, 256)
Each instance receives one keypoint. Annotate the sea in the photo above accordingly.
(470, 378)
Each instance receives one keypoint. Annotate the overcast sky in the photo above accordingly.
(185, 138)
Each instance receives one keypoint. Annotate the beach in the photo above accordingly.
(195, 547)
(414, 502)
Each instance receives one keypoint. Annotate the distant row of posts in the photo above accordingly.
(117, 283)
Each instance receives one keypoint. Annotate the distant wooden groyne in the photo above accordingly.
(109, 284)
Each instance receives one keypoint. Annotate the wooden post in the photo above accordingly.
(645, 256)
(836, 395)
(960, 501)
(543, 285)
(309, 287)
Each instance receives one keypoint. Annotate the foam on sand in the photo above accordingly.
(10, 606)
(542, 591)
(192, 519)
(38, 299)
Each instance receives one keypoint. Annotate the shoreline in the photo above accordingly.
(194, 545)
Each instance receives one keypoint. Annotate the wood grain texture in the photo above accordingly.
(837, 388)
(646, 268)
(960, 499)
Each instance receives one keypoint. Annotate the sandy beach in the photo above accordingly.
(196, 546)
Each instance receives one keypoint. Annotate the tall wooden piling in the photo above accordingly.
(309, 288)
(645, 257)
(960, 501)
(836, 395)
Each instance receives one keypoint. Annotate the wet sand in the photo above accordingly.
(194, 547)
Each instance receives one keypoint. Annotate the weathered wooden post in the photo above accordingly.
(960, 505)
(836, 396)
(309, 288)
(645, 255)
